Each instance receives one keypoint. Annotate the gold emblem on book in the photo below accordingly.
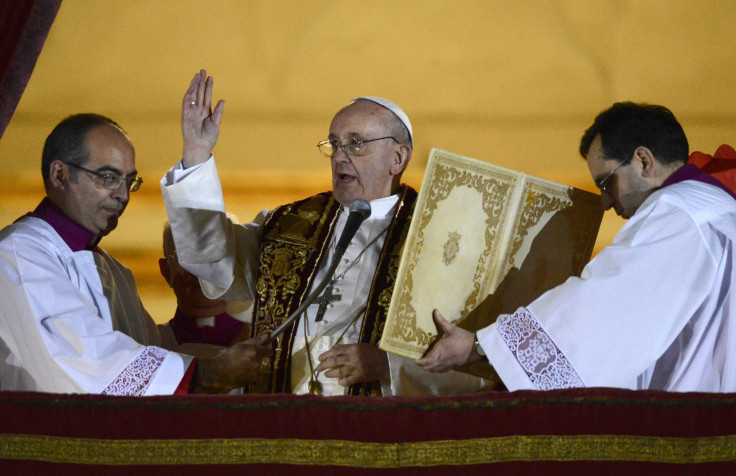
(451, 248)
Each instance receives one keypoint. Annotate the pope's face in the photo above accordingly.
(370, 175)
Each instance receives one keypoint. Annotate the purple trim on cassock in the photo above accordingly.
(74, 235)
(223, 333)
(692, 172)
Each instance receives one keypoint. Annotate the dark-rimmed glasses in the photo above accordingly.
(112, 181)
(604, 183)
(352, 147)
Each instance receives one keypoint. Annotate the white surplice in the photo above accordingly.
(654, 310)
(225, 256)
(72, 322)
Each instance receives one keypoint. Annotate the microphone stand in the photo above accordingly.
(317, 291)
(359, 211)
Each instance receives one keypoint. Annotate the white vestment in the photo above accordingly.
(72, 322)
(225, 256)
(654, 310)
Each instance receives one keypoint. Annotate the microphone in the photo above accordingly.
(359, 210)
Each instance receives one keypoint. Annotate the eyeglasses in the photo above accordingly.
(352, 147)
(113, 181)
(604, 183)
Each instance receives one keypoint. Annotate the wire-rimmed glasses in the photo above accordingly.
(112, 181)
(353, 147)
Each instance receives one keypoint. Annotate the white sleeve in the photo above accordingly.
(57, 334)
(223, 254)
(613, 323)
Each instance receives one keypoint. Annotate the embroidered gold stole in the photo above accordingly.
(294, 243)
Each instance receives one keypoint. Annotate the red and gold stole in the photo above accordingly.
(294, 243)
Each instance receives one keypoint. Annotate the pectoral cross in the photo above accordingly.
(325, 300)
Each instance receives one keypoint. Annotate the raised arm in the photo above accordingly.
(200, 124)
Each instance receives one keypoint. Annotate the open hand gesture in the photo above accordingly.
(200, 125)
(453, 349)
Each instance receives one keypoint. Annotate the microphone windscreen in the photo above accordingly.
(361, 206)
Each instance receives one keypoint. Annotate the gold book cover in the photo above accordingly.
(483, 241)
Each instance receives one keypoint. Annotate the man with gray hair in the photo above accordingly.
(277, 261)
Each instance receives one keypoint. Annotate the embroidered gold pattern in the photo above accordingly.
(290, 245)
(539, 201)
(494, 191)
(566, 448)
(280, 265)
(285, 250)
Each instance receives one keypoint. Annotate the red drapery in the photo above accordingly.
(24, 26)
(578, 431)
(721, 165)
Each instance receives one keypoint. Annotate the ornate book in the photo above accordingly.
(483, 241)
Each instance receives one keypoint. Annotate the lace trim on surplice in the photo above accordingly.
(544, 363)
(136, 376)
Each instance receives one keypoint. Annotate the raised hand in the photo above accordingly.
(200, 124)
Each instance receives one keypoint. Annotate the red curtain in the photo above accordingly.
(24, 26)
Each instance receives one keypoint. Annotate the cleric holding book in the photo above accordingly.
(654, 310)
(278, 260)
